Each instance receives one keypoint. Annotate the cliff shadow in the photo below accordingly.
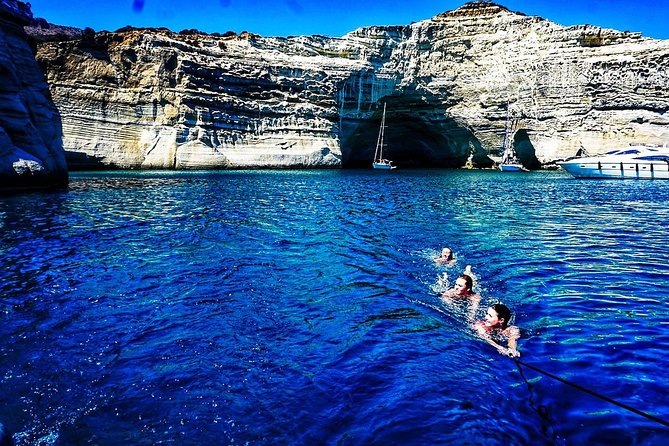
(83, 161)
(31, 149)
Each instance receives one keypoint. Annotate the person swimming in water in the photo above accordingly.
(446, 257)
(462, 292)
(495, 329)
(462, 289)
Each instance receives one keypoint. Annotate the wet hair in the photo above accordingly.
(469, 283)
(503, 312)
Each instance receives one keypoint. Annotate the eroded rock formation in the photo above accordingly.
(31, 151)
(151, 98)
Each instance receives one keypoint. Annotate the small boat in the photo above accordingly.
(379, 161)
(636, 162)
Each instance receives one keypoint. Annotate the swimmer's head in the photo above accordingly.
(502, 314)
(447, 254)
(464, 283)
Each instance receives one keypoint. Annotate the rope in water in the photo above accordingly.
(541, 410)
(581, 388)
(593, 393)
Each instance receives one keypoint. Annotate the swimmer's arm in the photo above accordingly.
(511, 351)
(513, 333)
(474, 307)
(468, 271)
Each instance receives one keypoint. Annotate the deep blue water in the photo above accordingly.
(301, 307)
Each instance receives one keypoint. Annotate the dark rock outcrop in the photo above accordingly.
(151, 98)
(31, 151)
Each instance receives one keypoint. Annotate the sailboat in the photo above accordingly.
(509, 161)
(380, 162)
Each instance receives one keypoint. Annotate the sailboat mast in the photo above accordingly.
(378, 154)
(506, 130)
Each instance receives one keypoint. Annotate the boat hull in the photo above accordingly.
(657, 170)
(382, 166)
(511, 168)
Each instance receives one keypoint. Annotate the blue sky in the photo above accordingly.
(333, 17)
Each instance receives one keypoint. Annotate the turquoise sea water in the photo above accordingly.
(301, 307)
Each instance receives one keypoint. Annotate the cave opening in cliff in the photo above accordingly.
(525, 150)
(413, 140)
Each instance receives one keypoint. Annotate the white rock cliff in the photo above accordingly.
(151, 98)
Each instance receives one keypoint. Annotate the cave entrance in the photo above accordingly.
(416, 135)
(525, 150)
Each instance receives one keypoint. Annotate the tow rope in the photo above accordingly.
(593, 393)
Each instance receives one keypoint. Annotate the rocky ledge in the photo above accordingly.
(453, 84)
(31, 152)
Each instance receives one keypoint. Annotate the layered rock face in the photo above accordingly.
(31, 151)
(453, 85)
(565, 88)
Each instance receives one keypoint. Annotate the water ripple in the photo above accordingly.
(301, 307)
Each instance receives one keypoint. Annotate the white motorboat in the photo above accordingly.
(379, 161)
(634, 162)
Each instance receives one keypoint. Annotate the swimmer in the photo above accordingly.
(495, 329)
(462, 289)
(462, 292)
(446, 257)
